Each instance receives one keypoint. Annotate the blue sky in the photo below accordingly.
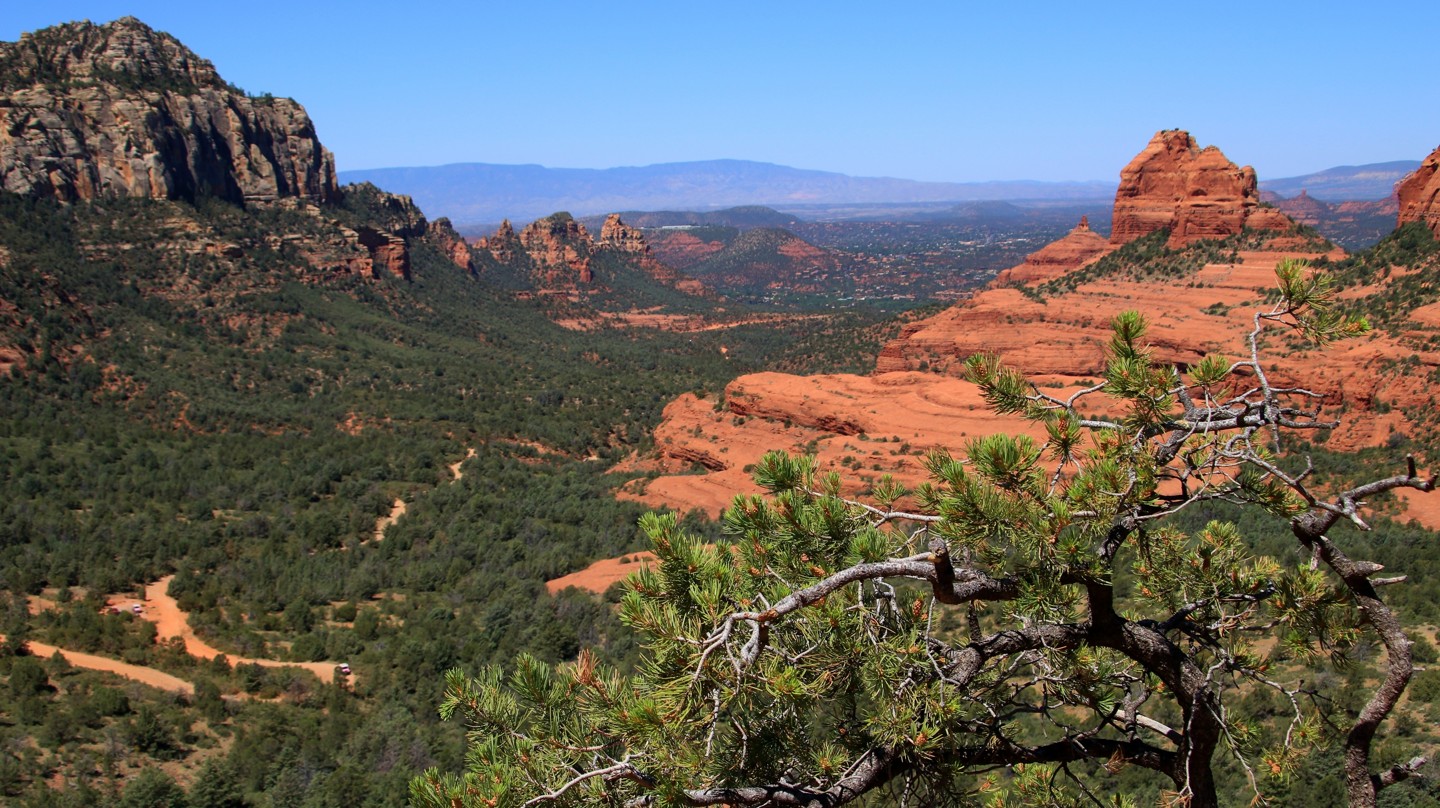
(954, 91)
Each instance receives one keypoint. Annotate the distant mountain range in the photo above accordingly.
(744, 217)
(481, 192)
(1345, 183)
(485, 193)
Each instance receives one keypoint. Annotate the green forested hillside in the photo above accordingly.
(234, 417)
(191, 397)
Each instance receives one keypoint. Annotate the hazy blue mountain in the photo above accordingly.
(483, 192)
(745, 217)
(1343, 183)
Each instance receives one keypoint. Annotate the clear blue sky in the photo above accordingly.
(956, 91)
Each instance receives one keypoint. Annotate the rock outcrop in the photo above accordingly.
(90, 111)
(1196, 193)
(1419, 194)
(630, 242)
(388, 252)
(442, 234)
(503, 245)
(1303, 208)
(1056, 336)
(621, 237)
(681, 248)
(1076, 249)
(560, 248)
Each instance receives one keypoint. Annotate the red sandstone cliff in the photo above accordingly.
(560, 248)
(631, 243)
(1419, 194)
(442, 234)
(503, 245)
(1056, 337)
(621, 237)
(1196, 193)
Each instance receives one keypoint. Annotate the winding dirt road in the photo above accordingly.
(170, 622)
(397, 509)
(138, 673)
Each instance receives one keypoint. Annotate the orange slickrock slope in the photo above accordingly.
(867, 425)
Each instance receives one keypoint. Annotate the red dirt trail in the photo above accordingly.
(170, 622)
(138, 673)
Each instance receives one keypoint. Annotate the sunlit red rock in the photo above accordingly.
(1196, 193)
(1419, 194)
(1078, 248)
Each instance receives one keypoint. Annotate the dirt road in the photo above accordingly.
(138, 673)
(397, 509)
(170, 621)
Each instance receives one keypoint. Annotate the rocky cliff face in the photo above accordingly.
(621, 237)
(443, 235)
(90, 111)
(560, 247)
(1419, 194)
(1196, 193)
(502, 245)
(630, 242)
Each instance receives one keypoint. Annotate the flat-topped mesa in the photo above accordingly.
(557, 244)
(1078, 248)
(1419, 194)
(121, 110)
(1195, 193)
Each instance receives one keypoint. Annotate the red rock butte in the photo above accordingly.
(1195, 193)
(1078, 248)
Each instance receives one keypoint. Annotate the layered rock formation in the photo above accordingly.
(1303, 208)
(560, 248)
(681, 248)
(1419, 194)
(90, 111)
(1076, 249)
(1056, 335)
(1196, 193)
(621, 237)
(388, 252)
(630, 243)
(562, 252)
(443, 235)
(1172, 184)
(503, 245)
